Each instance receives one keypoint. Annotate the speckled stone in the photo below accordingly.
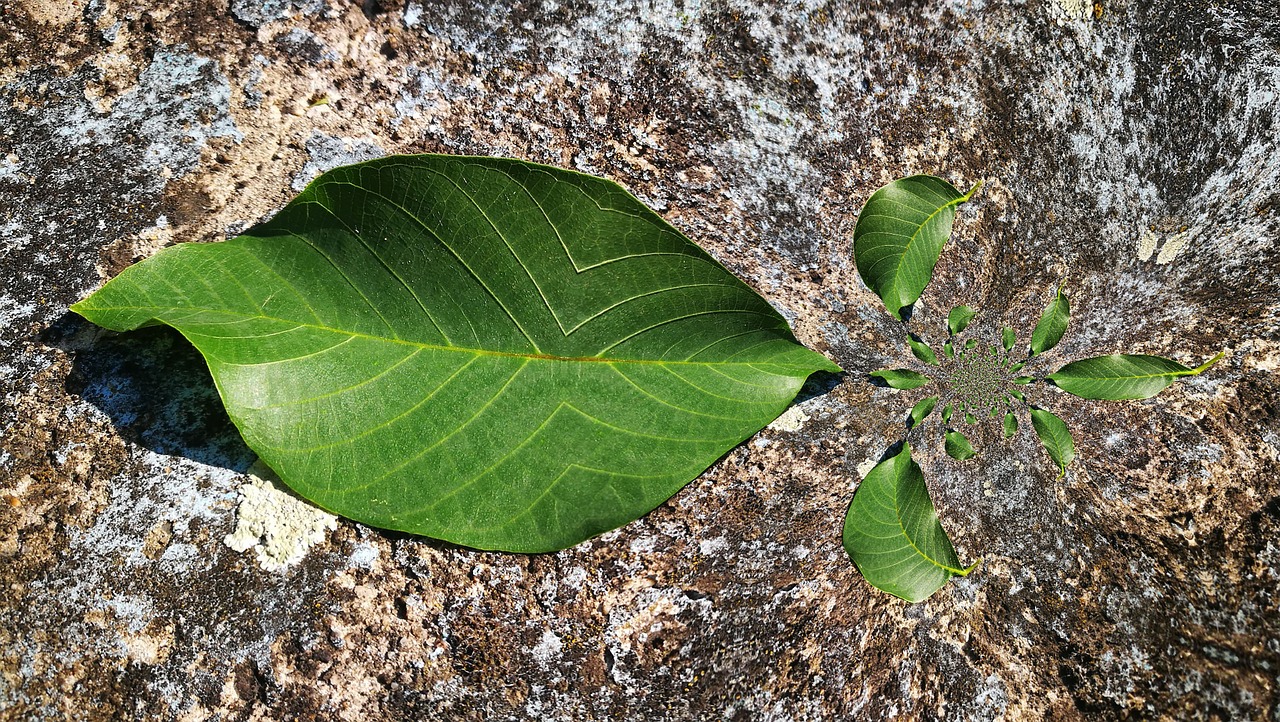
(1127, 147)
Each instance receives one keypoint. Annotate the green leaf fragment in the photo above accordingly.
(948, 349)
(900, 235)
(922, 351)
(946, 413)
(1010, 425)
(969, 418)
(959, 318)
(1121, 377)
(495, 353)
(922, 410)
(1052, 324)
(1017, 395)
(901, 378)
(1008, 338)
(1023, 380)
(1056, 438)
(1016, 368)
(893, 535)
(970, 343)
(958, 447)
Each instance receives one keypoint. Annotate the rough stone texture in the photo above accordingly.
(1128, 147)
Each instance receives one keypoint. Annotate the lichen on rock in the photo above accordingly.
(277, 525)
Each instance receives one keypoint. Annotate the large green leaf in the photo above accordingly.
(900, 234)
(892, 532)
(1052, 324)
(495, 353)
(959, 318)
(922, 409)
(1055, 436)
(958, 446)
(921, 350)
(1120, 377)
(901, 378)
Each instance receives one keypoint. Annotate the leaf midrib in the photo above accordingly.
(439, 347)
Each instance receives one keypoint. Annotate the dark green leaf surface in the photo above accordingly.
(946, 413)
(1120, 377)
(922, 410)
(892, 532)
(958, 447)
(495, 353)
(901, 378)
(949, 349)
(1010, 425)
(1008, 338)
(922, 351)
(959, 318)
(1052, 324)
(900, 234)
(1055, 436)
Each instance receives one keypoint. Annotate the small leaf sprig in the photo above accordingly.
(892, 531)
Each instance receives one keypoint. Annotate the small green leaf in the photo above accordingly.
(1121, 377)
(1017, 395)
(1055, 436)
(922, 409)
(1053, 323)
(499, 354)
(901, 378)
(958, 447)
(959, 318)
(900, 235)
(1016, 368)
(946, 413)
(948, 349)
(969, 418)
(892, 532)
(1010, 425)
(1023, 380)
(922, 350)
(1008, 338)
(970, 343)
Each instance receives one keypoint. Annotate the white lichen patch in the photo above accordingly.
(1173, 247)
(866, 466)
(791, 420)
(279, 527)
(1147, 245)
(1067, 10)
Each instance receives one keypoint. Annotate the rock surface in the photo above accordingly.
(1127, 147)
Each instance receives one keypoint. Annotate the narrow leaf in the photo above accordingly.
(948, 349)
(959, 318)
(922, 350)
(946, 413)
(1016, 368)
(1122, 376)
(1008, 337)
(958, 447)
(495, 353)
(969, 418)
(1023, 380)
(1010, 425)
(892, 532)
(970, 343)
(922, 409)
(1052, 324)
(1056, 438)
(900, 235)
(1017, 395)
(901, 378)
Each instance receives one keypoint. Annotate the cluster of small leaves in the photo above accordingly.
(891, 530)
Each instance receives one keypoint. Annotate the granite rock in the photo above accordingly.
(1128, 148)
